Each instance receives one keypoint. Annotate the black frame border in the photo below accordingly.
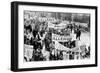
(14, 35)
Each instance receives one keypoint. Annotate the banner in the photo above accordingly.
(60, 46)
(60, 38)
(28, 51)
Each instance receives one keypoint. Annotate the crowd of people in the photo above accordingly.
(38, 35)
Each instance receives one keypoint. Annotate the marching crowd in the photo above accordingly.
(38, 35)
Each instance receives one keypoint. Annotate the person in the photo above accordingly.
(27, 36)
(28, 27)
(78, 33)
(35, 32)
(37, 55)
(71, 27)
(73, 40)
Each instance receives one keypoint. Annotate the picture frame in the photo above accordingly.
(57, 17)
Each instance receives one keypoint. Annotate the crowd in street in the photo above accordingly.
(38, 35)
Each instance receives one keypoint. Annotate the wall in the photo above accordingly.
(5, 17)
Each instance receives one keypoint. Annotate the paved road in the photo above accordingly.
(84, 39)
